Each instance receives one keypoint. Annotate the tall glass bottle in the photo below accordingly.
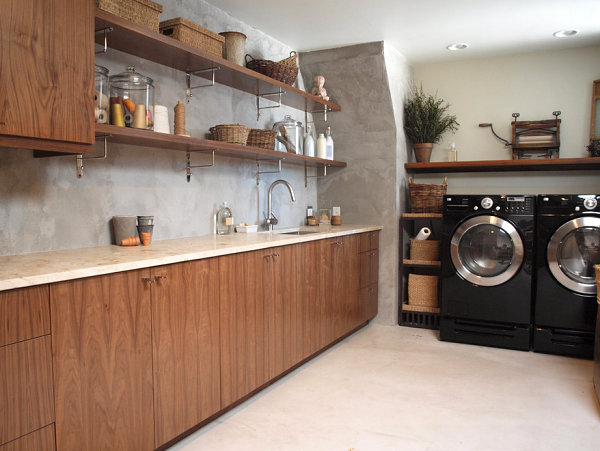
(224, 220)
(329, 144)
(321, 146)
(309, 143)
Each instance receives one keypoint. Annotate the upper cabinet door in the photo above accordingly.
(46, 73)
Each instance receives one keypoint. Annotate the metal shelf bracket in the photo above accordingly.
(188, 80)
(324, 111)
(80, 158)
(104, 30)
(306, 176)
(189, 166)
(279, 93)
(258, 171)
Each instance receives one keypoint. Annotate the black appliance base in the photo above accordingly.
(571, 343)
(484, 333)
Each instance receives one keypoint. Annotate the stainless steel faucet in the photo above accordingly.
(271, 219)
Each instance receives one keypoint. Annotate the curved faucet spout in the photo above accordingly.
(272, 220)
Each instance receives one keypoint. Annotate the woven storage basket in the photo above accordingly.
(282, 71)
(424, 249)
(264, 139)
(234, 133)
(142, 12)
(290, 60)
(426, 198)
(193, 35)
(423, 290)
(597, 283)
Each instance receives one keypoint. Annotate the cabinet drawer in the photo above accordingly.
(369, 268)
(369, 241)
(40, 440)
(26, 393)
(24, 314)
(368, 301)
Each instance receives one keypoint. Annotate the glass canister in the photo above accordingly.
(294, 132)
(101, 94)
(131, 100)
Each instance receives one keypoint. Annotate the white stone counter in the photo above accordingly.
(23, 270)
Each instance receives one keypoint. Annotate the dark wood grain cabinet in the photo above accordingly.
(47, 80)
(39, 440)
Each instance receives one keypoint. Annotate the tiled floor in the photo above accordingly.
(396, 388)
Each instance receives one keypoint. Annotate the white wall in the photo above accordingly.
(534, 85)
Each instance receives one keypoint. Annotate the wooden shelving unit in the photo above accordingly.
(542, 164)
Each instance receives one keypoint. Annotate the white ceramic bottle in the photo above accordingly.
(309, 143)
(321, 146)
(329, 144)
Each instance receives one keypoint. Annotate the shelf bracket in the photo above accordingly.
(80, 158)
(324, 111)
(306, 176)
(104, 30)
(188, 80)
(279, 93)
(259, 172)
(189, 166)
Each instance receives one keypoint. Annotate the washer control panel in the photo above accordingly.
(510, 204)
(568, 203)
(487, 203)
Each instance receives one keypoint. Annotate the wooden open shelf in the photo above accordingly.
(408, 263)
(421, 216)
(541, 164)
(148, 138)
(150, 45)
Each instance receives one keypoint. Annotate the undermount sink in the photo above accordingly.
(297, 232)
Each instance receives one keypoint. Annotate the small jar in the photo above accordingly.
(101, 93)
(131, 100)
(224, 220)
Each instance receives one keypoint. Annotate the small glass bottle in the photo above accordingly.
(453, 155)
(309, 143)
(321, 146)
(329, 144)
(224, 220)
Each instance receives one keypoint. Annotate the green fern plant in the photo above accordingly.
(425, 118)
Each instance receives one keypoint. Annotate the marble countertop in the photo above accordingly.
(23, 270)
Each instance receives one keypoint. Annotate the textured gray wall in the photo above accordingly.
(43, 206)
(365, 136)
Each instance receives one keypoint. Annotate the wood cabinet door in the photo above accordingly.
(314, 259)
(185, 338)
(347, 273)
(46, 70)
(102, 348)
(24, 314)
(40, 440)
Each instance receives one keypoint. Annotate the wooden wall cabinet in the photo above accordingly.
(47, 80)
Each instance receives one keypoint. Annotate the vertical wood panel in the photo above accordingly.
(101, 342)
(24, 314)
(26, 395)
(312, 297)
(40, 440)
(293, 300)
(185, 324)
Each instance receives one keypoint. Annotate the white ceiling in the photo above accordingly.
(421, 29)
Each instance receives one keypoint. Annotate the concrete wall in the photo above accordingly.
(43, 206)
(365, 135)
(534, 85)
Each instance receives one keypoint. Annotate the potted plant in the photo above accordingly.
(425, 121)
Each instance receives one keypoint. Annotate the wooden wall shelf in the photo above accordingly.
(148, 138)
(541, 164)
(150, 45)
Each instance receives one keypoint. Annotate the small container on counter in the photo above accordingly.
(101, 93)
(132, 99)
(224, 220)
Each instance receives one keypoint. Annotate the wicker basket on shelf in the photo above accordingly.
(142, 12)
(423, 290)
(233, 133)
(284, 71)
(424, 249)
(264, 139)
(193, 35)
(426, 198)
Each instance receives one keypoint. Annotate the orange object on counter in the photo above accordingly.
(131, 241)
(146, 237)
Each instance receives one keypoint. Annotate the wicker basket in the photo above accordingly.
(426, 198)
(264, 139)
(283, 71)
(193, 35)
(290, 60)
(424, 249)
(142, 12)
(423, 290)
(234, 133)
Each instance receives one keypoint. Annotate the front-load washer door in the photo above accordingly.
(486, 250)
(572, 252)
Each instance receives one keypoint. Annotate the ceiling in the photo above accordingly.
(421, 29)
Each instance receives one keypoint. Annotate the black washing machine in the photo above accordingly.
(568, 247)
(487, 260)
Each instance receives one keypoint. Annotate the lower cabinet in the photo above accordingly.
(41, 440)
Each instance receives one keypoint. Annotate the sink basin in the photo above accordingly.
(297, 232)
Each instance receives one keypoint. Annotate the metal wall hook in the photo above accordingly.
(188, 80)
(189, 167)
(80, 158)
(258, 171)
(279, 93)
(104, 30)
(306, 176)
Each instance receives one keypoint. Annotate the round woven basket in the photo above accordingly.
(283, 71)
(264, 139)
(423, 290)
(234, 133)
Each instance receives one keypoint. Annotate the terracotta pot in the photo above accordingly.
(423, 152)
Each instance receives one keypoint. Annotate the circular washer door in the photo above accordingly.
(486, 250)
(572, 252)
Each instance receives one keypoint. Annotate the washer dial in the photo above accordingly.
(590, 203)
(487, 203)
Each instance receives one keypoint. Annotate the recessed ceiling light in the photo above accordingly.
(459, 46)
(565, 33)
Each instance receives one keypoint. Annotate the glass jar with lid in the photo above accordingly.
(131, 100)
(224, 220)
(101, 94)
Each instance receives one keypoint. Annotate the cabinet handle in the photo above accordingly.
(160, 277)
(267, 257)
(2, 123)
(148, 280)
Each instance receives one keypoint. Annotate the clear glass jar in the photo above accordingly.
(101, 93)
(224, 220)
(131, 100)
